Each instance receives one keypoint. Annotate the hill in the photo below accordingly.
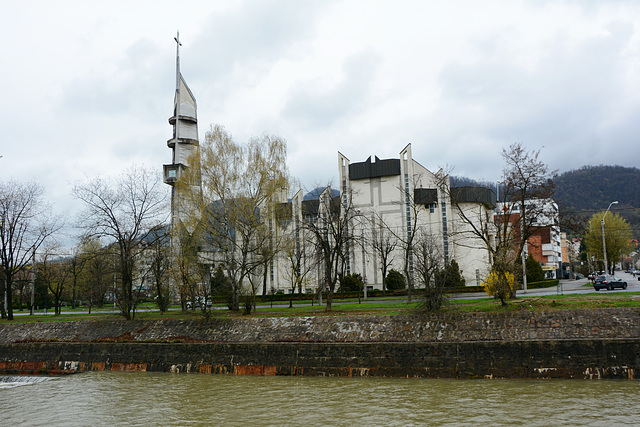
(582, 192)
(590, 189)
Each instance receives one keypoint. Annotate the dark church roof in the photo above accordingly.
(376, 169)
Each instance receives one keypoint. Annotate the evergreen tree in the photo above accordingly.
(395, 280)
(534, 270)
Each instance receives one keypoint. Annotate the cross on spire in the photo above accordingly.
(178, 44)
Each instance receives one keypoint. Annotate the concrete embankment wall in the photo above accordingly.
(562, 344)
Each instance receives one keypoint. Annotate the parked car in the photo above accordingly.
(609, 283)
(595, 274)
(200, 302)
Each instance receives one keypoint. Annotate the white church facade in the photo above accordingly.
(397, 198)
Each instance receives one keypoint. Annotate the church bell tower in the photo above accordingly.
(184, 142)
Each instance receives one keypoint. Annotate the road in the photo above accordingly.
(566, 287)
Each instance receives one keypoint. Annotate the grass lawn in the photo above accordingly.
(388, 307)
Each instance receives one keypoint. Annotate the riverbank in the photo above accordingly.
(592, 343)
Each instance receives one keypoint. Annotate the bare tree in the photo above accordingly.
(55, 272)
(97, 274)
(184, 266)
(384, 244)
(427, 262)
(125, 211)
(407, 236)
(527, 185)
(525, 188)
(159, 267)
(329, 226)
(76, 266)
(25, 223)
(298, 266)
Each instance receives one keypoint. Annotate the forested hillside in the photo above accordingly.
(582, 192)
(590, 189)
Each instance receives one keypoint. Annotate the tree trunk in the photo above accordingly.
(9, 300)
(264, 284)
(329, 298)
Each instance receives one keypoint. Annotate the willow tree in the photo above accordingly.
(617, 234)
(241, 186)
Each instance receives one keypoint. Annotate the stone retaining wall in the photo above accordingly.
(516, 326)
(521, 359)
(601, 343)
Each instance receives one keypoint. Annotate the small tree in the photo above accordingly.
(534, 269)
(298, 267)
(395, 280)
(617, 234)
(159, 268)
(55, 274)
(384, 244)
(328, 224)
(427, 261)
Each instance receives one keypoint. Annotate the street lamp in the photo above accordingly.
(604, 245)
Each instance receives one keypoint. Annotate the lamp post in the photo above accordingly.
(604, 245)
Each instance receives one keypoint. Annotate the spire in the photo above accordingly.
(183, 145)
(178, 44)
(185, 125)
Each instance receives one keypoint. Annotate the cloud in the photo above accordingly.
(317, 104)
(244, 42)
(564, 102)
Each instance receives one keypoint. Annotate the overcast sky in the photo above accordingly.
(87, 87)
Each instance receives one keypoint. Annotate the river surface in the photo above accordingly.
(148, 399)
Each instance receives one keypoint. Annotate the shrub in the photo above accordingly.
(352, 283)
(497, 286)
(451, 276)
(221, 288)
(433, 297)
(395, 280)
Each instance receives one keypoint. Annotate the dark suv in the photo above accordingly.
(609, 283)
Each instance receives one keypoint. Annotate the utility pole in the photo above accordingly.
(33, 280)
(524, 247)
(604, 245)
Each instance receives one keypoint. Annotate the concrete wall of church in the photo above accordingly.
(469, 250)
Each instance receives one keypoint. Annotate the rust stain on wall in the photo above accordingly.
(142, 367)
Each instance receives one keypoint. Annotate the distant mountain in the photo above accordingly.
(590, 189)
(581, 193)
(316, 192)
(462, 181)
